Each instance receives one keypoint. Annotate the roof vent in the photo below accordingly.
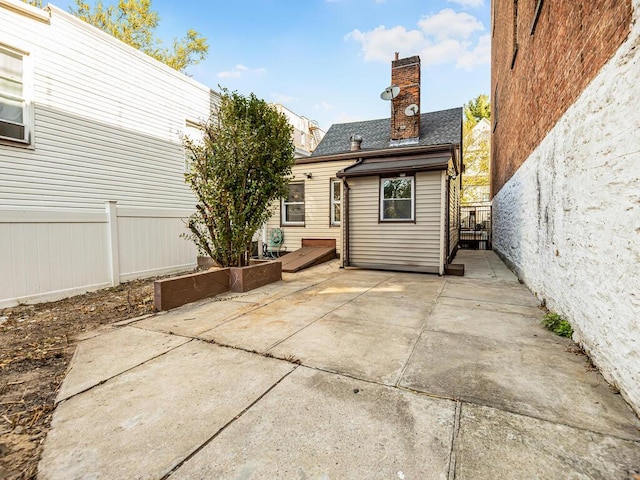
(356, 142)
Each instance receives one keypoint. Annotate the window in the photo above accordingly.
(336, 190)
(536, 15)
(292, 209)
(515, 33)
(14, 115)
(397, 199)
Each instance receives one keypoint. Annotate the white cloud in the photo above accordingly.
(381, 43)
(449, 24)
(239, 71)
(444, 37)
(480, 55)
(324, 106)
(282, 98)
(468, 3)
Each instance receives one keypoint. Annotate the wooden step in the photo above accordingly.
(306, 257)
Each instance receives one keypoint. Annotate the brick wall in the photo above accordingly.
(573, 39)
(405, 73)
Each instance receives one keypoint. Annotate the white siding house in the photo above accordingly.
(92, 190)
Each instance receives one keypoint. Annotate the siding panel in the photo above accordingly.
(395, 244)
(317, 205)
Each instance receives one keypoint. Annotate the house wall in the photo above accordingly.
(317, 205)
(568, 221)
(401, 246)
(571, 42)
(108, 126)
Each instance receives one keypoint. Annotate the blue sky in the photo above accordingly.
(329, 59)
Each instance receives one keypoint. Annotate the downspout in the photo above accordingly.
(345, 215)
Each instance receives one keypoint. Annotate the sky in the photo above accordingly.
(329, 60)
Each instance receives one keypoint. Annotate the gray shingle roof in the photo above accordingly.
(436, 128)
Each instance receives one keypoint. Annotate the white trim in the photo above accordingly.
(52, 296)
(333, 203)
(283, 210)
(382, 199)
(113, 244)
(130, 212)
(52, 216)
(25, 9)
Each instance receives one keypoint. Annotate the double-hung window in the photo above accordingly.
(335, 202)
(397, 199)
(292, 208)
(14, 114)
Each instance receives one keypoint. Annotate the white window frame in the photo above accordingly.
(284, 203)
(334, 222)
(413, 199)
(27, 109)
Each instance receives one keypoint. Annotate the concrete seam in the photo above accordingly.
(123, 371)
(454, 441)
(422, 333)
(224, 427)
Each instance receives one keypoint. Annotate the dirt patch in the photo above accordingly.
(37, 344)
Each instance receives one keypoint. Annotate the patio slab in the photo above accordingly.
(194, 320)
(142, 423)
(270, 324)
(362, 349)
(478, 320)
(100, 358)
(544, 381)
(490, 291)
(319, 425)
(495, 444)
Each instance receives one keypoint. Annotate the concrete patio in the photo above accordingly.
(343, 374)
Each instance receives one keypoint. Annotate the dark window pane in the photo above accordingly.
(296, 192)
(336, 213)
(397, 188)
(295, 213)
(397, 209)
(336, 191)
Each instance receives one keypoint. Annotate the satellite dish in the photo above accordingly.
(411, 110)
(390, 92)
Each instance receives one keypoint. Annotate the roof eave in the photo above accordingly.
(386, 152)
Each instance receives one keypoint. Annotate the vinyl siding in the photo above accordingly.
(396, 245)
(317, 205)
(108, 124)
(108, 121)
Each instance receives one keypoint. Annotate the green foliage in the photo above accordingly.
(237, 173)
(558, 325)
(35, 3)
(477, 109)
(134, 22)
(477, 150)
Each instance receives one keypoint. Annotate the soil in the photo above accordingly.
(37, 343)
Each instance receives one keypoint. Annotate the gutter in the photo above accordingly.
(345, 240)
(387, 152)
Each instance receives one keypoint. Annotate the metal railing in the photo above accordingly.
(475, 227)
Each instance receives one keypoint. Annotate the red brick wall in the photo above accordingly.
(573, 39)
(405, 73)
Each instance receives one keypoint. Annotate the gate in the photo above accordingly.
(475, 227)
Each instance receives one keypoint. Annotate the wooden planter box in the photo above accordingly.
(174, 292)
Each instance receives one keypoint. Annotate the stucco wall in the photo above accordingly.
(569, 219)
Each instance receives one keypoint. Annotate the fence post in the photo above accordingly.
(112, 241)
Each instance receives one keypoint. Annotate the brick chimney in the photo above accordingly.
(405, 73)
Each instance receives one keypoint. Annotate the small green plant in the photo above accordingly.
(558, 324)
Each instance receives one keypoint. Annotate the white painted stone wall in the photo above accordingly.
(569, 219)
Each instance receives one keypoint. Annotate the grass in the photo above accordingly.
(558, 324)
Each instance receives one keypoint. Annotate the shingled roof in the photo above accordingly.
(436, 128)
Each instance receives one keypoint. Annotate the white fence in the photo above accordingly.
(47, 255)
